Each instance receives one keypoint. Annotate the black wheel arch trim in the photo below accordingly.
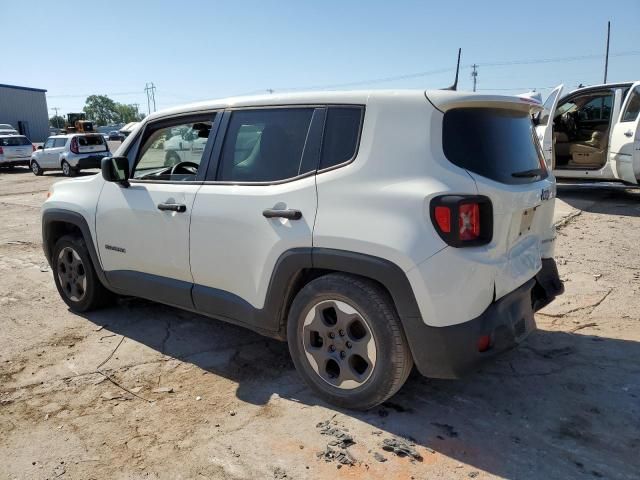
(53, 215)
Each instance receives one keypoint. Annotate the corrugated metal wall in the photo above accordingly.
(18, 105)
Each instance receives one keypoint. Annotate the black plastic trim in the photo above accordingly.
(267, 320)
(52, 215)
(152, 287)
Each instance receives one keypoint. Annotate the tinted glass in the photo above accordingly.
(14, 141)
(341, 134)
(173, 152)
(633, 107)
(265, 145)
(60, 142)
(91, 140)
(494, 143)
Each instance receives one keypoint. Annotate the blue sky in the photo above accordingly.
(196, 50)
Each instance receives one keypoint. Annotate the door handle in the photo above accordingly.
(172, 207)
(628, 133)
(289, 214)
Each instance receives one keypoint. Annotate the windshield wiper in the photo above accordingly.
(534, 172)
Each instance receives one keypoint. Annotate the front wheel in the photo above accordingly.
(75, 277)
(67, 171)
(347, 342)
(35, 168)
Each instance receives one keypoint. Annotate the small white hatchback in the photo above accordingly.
(70, 153)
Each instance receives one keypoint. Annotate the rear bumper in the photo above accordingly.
(450, 352)
(91, 161)
(14, 162)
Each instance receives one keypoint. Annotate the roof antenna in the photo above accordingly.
(455, 83)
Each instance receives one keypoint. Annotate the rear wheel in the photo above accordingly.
(35, 168)
(75, 276)
(346, 341)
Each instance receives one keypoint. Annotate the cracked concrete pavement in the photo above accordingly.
(142, 390)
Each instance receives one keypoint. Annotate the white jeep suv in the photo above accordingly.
(372, 230)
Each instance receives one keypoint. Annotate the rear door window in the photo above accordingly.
(265, 145)
(59, 142)
(341, 135)
(496, 143)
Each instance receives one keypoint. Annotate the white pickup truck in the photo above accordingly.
(592, 133)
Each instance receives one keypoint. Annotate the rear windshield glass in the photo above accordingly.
(496, 143)
(14, 141)
(91, 140)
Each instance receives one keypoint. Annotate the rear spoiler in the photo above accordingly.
(445, 100)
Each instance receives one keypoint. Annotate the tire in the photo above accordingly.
(35, 168)
(75, 276)
(68, 170)
(171, 158)
(363, 313)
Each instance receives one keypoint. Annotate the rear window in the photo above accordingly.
(496, 143)
(14, 141)
(91, 141)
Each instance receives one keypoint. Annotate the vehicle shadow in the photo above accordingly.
(602, 198)
(561, 405)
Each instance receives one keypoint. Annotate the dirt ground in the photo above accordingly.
(146, 391)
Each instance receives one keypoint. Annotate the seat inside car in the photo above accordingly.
(591, 153)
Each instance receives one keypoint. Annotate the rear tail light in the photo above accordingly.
(1, 151)
(33, 147)
(463, 220)
(74, 145)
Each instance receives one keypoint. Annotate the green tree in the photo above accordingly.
(101, 109)
(57, 121)
(128, 113)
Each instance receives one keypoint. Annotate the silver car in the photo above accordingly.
(15, 150)
(70, 153)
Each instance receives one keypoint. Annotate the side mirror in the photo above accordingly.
(40, 147)
(116, 169)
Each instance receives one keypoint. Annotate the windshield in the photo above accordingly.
(496, 143)
(13, 141)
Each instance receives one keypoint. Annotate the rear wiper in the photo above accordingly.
(534, 172)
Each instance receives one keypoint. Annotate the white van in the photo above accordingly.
(594, 132)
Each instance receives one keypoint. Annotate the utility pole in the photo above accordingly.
(136, 106)
(606, 58)
(57, 117)
(150, 90)
(474, 75)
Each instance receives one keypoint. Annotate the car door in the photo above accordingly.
(544, 127)
(44, 158)
(624, 145)
(257, 206)
(143, 229)
(57, 150)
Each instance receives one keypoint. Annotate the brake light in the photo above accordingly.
(1, 151)
(471, 214)
(33, 147)
(443, 218)
(74, 145)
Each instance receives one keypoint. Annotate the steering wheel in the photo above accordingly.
(188, 168)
